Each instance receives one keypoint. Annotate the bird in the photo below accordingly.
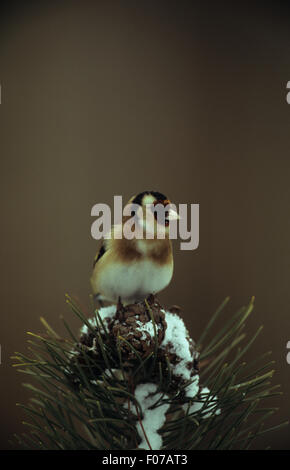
(130, 270)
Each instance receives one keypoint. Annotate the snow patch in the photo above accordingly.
(106, 313)
(210, 408)
(192, 389)
(153, 419)
(176, 336)
(148, 326)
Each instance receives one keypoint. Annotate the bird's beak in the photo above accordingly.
(172, 215)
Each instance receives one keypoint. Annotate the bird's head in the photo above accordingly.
(154, 211)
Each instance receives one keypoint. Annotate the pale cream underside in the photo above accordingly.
(132, 282)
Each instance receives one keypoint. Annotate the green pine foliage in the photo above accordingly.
(88, 414)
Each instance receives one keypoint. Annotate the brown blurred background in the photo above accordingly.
(110, 98)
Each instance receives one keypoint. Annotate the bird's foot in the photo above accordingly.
(151, 299)
(120, 306)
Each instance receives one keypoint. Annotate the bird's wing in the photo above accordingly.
(107, 243)
(100, 253)
(105, 246)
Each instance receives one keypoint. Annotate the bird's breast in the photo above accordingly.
(134, 281)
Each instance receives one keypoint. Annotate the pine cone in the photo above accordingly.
(133, 323)
(130, 330)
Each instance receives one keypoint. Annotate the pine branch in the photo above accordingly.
(83, 394)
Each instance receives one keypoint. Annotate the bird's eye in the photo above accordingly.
(133, 213)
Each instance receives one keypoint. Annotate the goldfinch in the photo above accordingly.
(131, 269)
